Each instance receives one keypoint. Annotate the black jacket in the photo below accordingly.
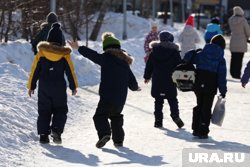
(42, 36)
(49, 67)
(116, 75)
(161, 63)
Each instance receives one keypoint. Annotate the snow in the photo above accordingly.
(144, 145)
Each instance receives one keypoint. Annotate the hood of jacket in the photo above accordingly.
(164, 50)
(188, 30)
(212, 27)
(212, 52)
(53, 52)
(120, 54)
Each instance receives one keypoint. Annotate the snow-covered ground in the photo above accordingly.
(144, 145)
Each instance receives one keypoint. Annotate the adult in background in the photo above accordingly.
(240, 32)
(152, 36)
(43, 33)
(188, 37)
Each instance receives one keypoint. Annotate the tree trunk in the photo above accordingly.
(99, 21)
(6, 35)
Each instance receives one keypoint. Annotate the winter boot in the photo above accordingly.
(118, 144)
(178, 122)
(158, 123)
(56, 137)
(203, 136)
(44, 139)
(103, 141)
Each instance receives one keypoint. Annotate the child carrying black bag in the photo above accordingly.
(184, 74)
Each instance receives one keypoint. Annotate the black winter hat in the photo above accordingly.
(51, 18)
(219, 40)
(215, 20)
(55, 34)
(166, 36)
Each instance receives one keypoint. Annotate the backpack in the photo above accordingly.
(184, 75)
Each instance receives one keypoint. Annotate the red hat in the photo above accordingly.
(190, 21)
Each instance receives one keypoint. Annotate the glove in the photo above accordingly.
(223, 95)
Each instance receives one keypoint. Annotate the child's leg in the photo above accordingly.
(44, 114)
(101, 119)
(197, 114)
(174, 108)
(159, 101)
(116, 124)
(206, 113)
(60, 110)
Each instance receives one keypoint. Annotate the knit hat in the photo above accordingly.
(51, 17)
(215, 20)
(55, 34)
(190, 21)
(219, 40)
(110, 41)
(238, 11)
(166, 36)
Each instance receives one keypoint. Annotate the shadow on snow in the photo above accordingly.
(134, 157)
(71, 155)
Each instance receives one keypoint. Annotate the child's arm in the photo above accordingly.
(70, 72)
(91, 54)
(246, 75)
(34, 74)
(148, 69)
(86, 52)
(133, 85)
(222, 79)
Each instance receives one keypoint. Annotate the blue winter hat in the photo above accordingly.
(166, 36)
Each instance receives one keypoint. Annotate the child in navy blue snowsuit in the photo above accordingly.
(210, 75)
(50, 64)
(116, 78)
(163, 59)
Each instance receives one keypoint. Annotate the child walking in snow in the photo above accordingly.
(152, 36)
(116, 78)
(212, 29)
(50, 64)
(189, 37)
(161, 63)
(210, 75)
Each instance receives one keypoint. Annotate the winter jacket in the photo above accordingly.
(211, 30)
(162, 61)
(42, 36)
(152, 36)
(240, 32)
(49, 66)
(116, 75)
(188, 38)
(210, 69)
(246, 75)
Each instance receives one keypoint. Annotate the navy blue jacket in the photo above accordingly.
(116, 75)
(211, 69)
(49, 67)
(161, 63)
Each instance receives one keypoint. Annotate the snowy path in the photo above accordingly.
(144, 145)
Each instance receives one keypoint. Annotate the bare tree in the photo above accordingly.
(97, 27)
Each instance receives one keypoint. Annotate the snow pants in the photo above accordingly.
(173, 104)
(52, 113)
(236, 64)
(202, 113)
(104, 112)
